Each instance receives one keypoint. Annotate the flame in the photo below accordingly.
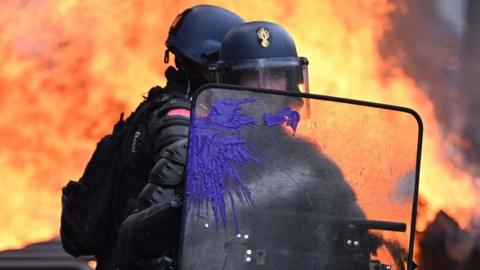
(68, 68)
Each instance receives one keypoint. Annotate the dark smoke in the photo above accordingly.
(444, 62)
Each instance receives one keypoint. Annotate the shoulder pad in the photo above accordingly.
(171, 104)
(169, 169)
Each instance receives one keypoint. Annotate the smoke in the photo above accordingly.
(437, 44)
(429, 51)
(404, 189)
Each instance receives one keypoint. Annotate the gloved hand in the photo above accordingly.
(154, 226)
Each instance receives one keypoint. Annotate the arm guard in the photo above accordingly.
(168, 128)
(165, 176)
(169, 169)
(155, 223)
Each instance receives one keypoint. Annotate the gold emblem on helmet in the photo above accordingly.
(264, 37)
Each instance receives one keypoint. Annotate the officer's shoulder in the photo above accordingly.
(171, 105)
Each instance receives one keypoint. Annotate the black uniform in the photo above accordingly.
(154, 166)
(151, 145)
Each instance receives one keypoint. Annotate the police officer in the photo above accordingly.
(156, 155)
(263, 55)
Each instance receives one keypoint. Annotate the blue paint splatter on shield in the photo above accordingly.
(216, 151)
(287, 115)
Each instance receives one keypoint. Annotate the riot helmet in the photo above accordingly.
(261, 54)
(196, 34)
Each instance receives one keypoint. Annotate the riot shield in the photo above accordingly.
(280, 180)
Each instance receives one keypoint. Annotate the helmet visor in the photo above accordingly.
(289, 73)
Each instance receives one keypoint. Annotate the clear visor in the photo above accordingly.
(288, 73)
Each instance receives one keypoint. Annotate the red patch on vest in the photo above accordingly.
(179, 112)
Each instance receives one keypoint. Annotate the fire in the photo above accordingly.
(68, 68)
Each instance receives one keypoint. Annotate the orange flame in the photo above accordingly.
(68, 68)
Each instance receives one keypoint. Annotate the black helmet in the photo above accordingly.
(261, 54)
(197, 32)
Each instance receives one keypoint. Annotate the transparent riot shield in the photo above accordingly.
(277, 180)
